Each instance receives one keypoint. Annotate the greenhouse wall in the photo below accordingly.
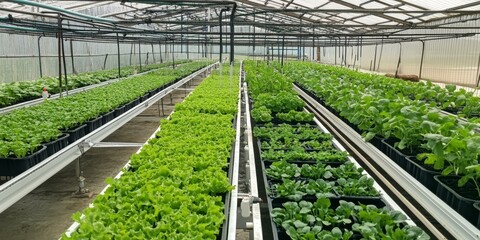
(19, 59)
(452, 60)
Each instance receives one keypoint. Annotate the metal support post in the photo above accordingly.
(283, 48)
(421, 59)
(118, 57)
(232, 34)
(140, 55)
(74, 71)
(64, 60)
(160, 52)
(40, 57)
(59, 54)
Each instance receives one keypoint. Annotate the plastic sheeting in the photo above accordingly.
(19, 57)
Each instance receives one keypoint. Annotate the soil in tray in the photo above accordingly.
(467, 191)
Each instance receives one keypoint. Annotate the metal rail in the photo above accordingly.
(21, 185)
(257, 220)
(70, 92)
(233, 208)
(448, 218)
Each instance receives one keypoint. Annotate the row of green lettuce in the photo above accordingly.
(17, 92)
(22, 131)
(273, 101)
(378, 109)
(175, 185)
(452, 99)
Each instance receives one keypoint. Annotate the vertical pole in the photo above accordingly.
(375, 58)
(74, 71)
(105, 61)
(59, 55)
(254, 35)
(181, 30)
(313, 44)
(40, 57)
(265, 38)
(421, 59)
(335, 47)
(153, 53)
(278, 48)
(173, 52)
(399, 60)
(232, 34)
(283, 48)
(140, 56)
(221, 34)
(118, 57)
(64, 60)
(345, 53)
(131, 51)
(160, 52)
(166, 51)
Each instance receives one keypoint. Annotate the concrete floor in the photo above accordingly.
(46, 212)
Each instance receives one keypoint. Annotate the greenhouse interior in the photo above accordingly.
(249, 119)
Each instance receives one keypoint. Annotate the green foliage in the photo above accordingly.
(17, 92)
(22, 131)
(304, 220)
(174, 188)
(408, 113)
(262, 78)
(282, 102)
(261, 114)
(295, 116)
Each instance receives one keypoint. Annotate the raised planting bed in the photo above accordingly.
(339, 219)
(374, 106)
(22, 91)
(459, 198)
(12, 166)
(107, 117)
(176, 185)
(94, 124)
(44, 123)
(423, 173)
(57, 144)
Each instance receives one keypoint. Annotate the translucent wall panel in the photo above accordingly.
(19, 57)
(449, 60)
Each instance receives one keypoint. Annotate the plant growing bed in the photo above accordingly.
(175, 185)
(24, 130)
(339, 219)
(409, 124)
(295, 172)
(17, 92)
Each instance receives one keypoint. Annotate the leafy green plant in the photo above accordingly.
(362, 186)
(282, 169)
(295, 116)
(262, 114)
(304, 220)
(174, 187)
(318, 171)
(282, 102)
(24, 130)
(17, 92)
